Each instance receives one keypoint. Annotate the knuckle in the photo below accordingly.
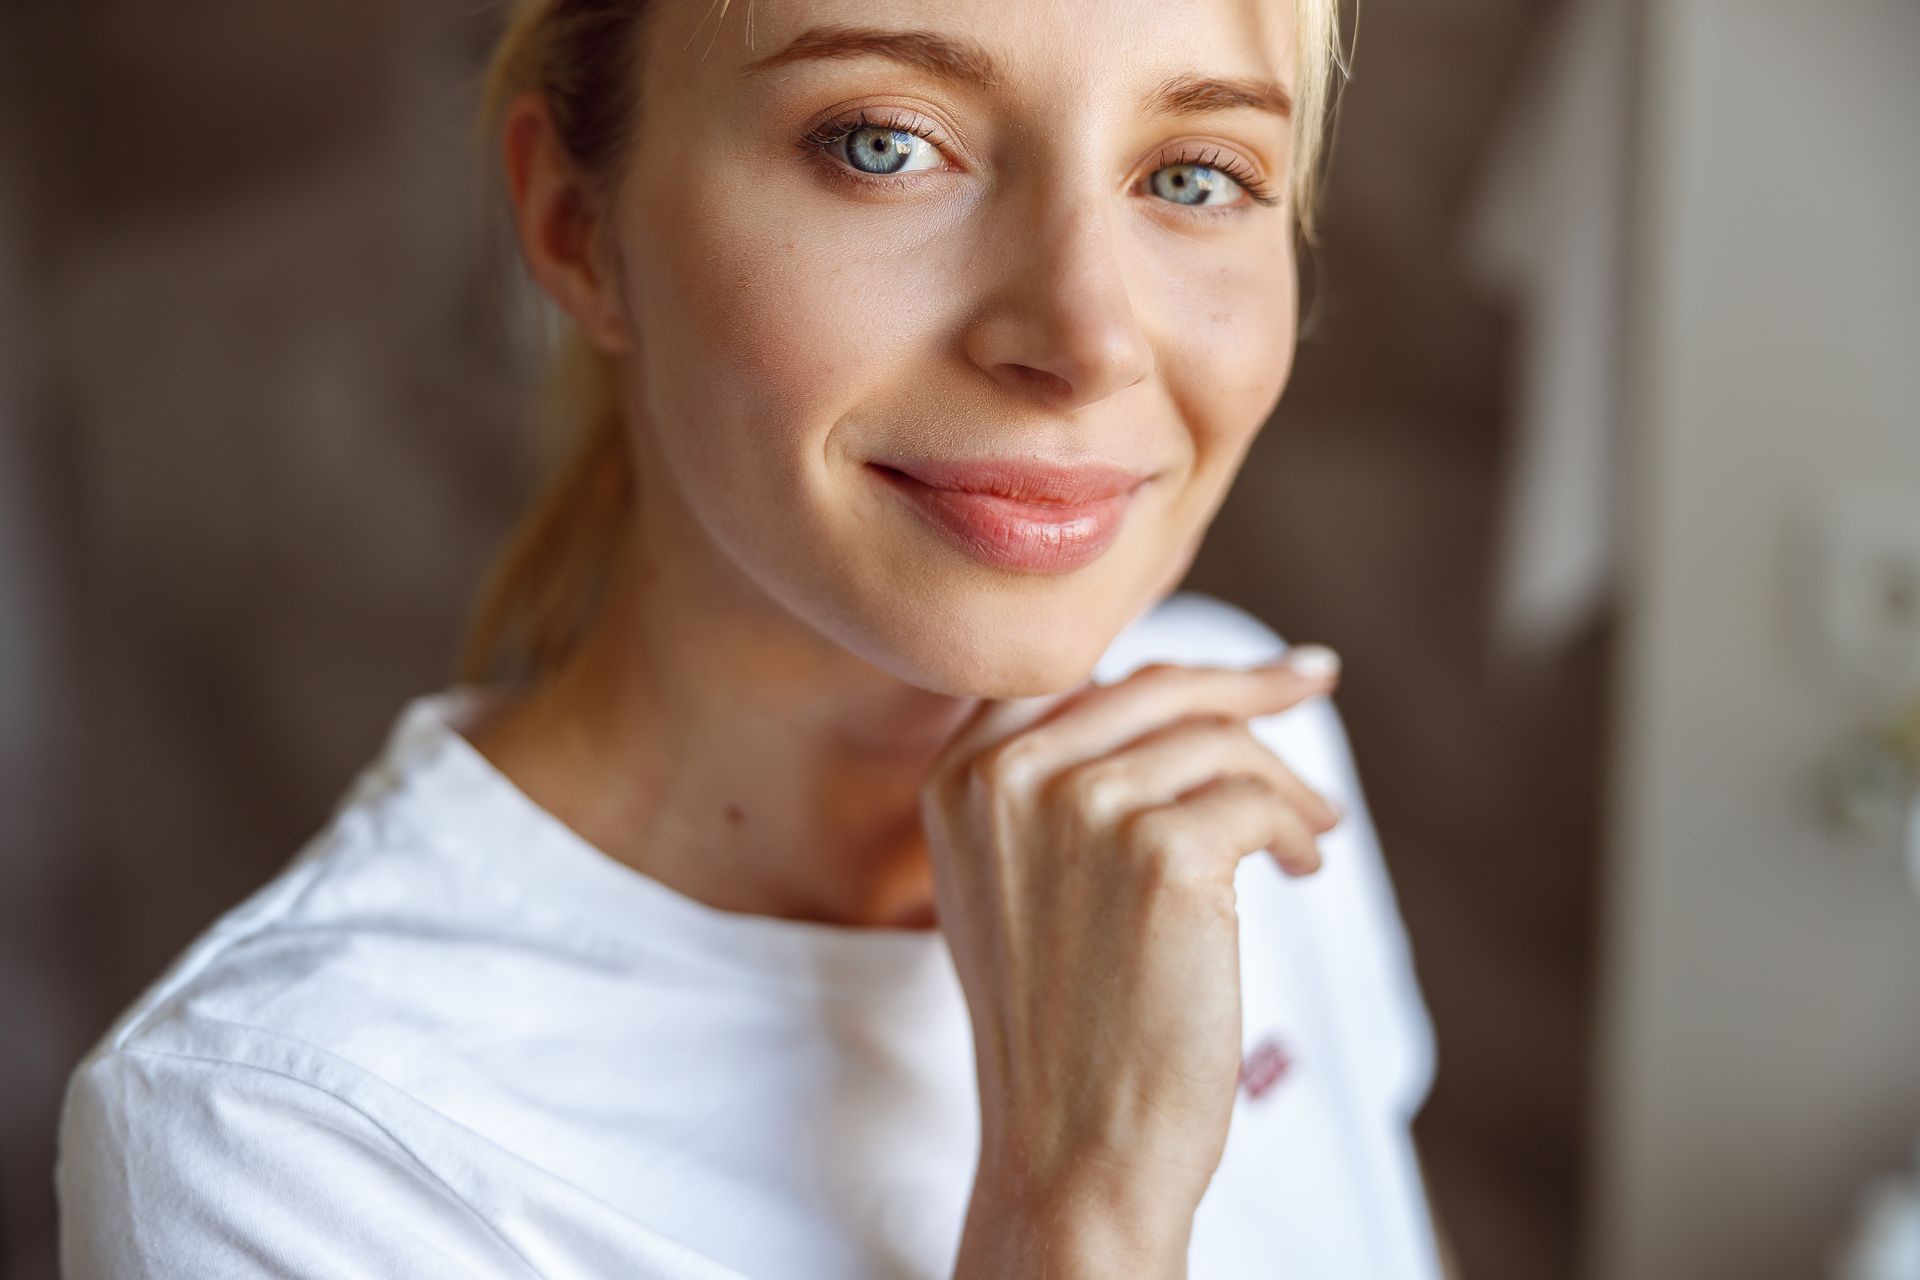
(1160, 837)
(1095, 788)
(1143, 832)
(1005, 765)
(1182, 864)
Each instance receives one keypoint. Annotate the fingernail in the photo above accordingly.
(1313, 660)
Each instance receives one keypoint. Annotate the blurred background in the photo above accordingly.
(1600, 464)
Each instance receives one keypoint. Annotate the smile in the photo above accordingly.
(1034, 520)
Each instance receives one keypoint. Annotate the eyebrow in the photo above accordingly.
(966, 63)
(945, 57)
(1195, 95)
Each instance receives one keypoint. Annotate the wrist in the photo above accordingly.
(1092, 1223)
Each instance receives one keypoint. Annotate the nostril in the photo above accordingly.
(1050, 383)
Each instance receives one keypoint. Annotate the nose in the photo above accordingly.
(1061, 328)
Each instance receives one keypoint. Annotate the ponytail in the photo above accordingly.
(547, 584)
(546, 587)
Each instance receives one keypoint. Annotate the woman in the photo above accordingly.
(834, 857)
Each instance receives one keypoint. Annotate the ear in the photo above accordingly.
(558, 213)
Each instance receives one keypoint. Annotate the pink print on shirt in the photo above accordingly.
(1264, 1066)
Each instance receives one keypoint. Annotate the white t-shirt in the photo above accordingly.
(451, 1038)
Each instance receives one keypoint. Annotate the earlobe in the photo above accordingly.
(556, 214)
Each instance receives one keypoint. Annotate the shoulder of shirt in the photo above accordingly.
(172, 1155)
(258, 915)
(246, 1016)
(269, 971)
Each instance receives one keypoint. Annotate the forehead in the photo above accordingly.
(1082, 50)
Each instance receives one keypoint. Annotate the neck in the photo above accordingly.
(710, 739)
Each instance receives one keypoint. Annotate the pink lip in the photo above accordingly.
(1027, 481)
(1035, 517)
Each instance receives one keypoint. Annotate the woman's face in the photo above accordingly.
(929, 234)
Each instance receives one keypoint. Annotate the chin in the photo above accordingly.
(1028, 676)
(994, 645)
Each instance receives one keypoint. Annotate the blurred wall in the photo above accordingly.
(45, 1001)
(1763, 1048)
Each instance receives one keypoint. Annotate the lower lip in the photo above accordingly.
(1033, 537)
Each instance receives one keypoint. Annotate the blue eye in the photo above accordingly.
(876, 149)
(1193, 184)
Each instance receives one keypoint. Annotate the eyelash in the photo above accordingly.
(822, 138)
(1257, 191)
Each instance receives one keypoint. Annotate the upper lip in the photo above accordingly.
(1026, 480)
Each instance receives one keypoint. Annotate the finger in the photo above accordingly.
(1166, 762)
(1288, 840)
(1097, 721)
(1234, 815)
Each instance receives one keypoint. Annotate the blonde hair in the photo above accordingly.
(546, 586)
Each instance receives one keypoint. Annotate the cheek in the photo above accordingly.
(762, 331)
(1231, 348)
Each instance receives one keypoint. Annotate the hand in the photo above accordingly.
(1084, 849)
